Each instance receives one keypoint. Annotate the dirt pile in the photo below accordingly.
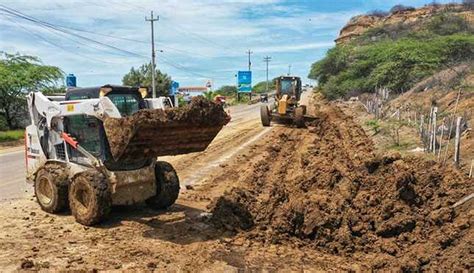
(155, 132)
(324, 188)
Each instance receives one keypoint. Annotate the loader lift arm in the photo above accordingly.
(40, 106)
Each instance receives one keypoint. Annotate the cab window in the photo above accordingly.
(127, 104)
(86, 130)
(287, 87)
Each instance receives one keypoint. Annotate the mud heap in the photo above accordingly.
(326, 189)
(155, 132)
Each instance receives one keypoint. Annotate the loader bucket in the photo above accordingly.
(155, 132)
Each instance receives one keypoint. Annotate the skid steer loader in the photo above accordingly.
(98, 147)
(286, 109)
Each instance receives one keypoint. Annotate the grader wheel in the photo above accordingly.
(265, 115)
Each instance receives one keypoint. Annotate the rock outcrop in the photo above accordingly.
(414, 17)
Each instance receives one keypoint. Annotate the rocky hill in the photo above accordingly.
(403, 17)
(396, 50)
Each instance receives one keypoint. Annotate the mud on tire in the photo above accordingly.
(167, 186)
(89, 197)
(51, 188)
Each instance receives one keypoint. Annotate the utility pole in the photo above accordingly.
(289, 70)
(250, 67)
(250, 63)
(267, 59)
(153, 70)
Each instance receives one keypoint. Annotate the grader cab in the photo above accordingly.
(287, 108)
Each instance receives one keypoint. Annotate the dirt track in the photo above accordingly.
(186, 238)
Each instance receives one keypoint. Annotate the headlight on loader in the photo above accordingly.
(104, 90)
(143, 91)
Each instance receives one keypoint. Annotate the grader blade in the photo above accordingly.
(155, 132)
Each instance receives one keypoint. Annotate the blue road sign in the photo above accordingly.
(244, 81)
(174, 88)
(71, 80)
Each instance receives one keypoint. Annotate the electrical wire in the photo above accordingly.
(40, 37)
(63, 31)
(48, 25)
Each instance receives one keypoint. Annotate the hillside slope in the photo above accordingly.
(403, 17)
(396, 51)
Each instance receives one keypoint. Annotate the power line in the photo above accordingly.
(191, 54)
(182, 68)
(55, 44)
(48, 25)
(62, 30)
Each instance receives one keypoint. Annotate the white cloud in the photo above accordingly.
(204, 36)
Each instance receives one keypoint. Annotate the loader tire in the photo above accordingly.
(299, 117)
(90, 198)
(167, 186)
(51, 186)
(265, 115)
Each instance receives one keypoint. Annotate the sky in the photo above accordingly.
(196, 40)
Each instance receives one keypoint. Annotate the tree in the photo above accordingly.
(20, 74)
(261, 86)
(401, 8)
(141, 77)
(227, 90)
(378, 13)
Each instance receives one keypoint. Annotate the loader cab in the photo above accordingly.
(288, 85)
(89, 131)
(128, 100)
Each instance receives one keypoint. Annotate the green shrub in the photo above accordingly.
(447, 24)
(400, 8)
(397, 65)
(261, 87)
(11, 135)
(374, 125)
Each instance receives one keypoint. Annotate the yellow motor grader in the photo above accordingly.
(286, 108)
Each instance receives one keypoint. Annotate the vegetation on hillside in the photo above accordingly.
(227, 90)
(261, 86)
(394, 56)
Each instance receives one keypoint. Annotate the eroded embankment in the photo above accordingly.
(325, 188)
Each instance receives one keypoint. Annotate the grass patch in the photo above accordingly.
(11, 135)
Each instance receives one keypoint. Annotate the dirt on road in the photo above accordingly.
(326, 190)
(293, 199)
(156, 132)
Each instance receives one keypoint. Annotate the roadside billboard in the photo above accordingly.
(244, 81)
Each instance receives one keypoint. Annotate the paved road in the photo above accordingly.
(12, 163)
(12, 175)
